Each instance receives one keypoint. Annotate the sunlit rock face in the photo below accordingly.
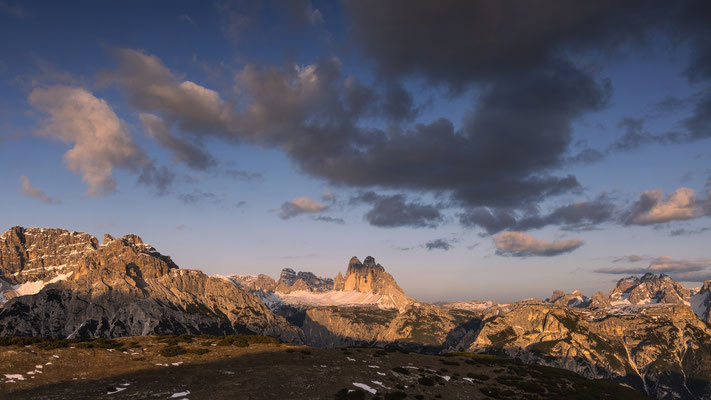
(64, 284)
(649, 288)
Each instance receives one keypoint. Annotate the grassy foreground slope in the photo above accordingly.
(255, 367)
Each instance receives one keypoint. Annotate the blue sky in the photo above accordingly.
(288, 137)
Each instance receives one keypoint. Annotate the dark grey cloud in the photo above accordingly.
(582, 215)
(438, 244)
(390, 211)
(507, 155)
(184, 151)
(455, 43)
(243, 175)
(635, 136)
(686, 232)
(159, 177)
(325, 218)
(519, 244)
(198, 196)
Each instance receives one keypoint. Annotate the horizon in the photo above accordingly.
(248, 137)
(298, 269)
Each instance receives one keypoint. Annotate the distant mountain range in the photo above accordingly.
(649, 332)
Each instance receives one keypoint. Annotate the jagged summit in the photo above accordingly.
(648, 289)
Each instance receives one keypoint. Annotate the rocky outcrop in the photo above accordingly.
(572, 299)
(123, 287)
(291, 281)
(253, 282)
(422, 328)
(599, 301)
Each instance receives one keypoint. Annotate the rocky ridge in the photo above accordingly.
(63, 284)
(365, 284)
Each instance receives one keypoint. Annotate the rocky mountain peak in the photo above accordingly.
(107, 239)
(706, 287)
(371, 277)
(648, 289)
(369, 261)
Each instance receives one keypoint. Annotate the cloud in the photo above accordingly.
(325, 218)
(316, 115)
(686, 232)
(198, 196)
(26, 189)
(243, 175)
(630, 259)
(438, 244)
(152, 87)
(519, 244)
(694, 270)
(390, 211)
(100, 140)
(635, 136)
(653, 208)
(184, 151)
(300, 205)
(186, 19)
(581, 215)
(15, 9)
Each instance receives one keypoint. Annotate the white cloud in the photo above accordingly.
(519, 244)
(101, 142)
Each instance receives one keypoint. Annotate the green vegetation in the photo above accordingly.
(198, 351)
(172, 351)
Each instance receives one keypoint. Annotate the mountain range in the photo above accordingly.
(649, 332)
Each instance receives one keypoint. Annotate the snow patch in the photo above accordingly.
(180, 394)
(365, 387)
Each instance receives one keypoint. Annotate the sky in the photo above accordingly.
(478, 150)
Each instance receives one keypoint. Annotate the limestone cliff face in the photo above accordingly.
(572, 299)
(371, 277)
(660, 350)
(123, 287)
(649, 288)
(422, 328)
(291, 281)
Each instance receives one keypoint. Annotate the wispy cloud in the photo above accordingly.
(26, 189)
(682, 269)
